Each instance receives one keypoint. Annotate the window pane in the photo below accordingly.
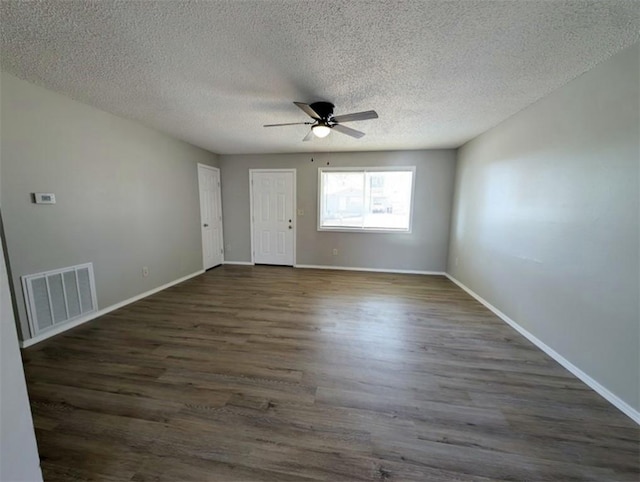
(343, 199)
(366, 199)
(388, 199)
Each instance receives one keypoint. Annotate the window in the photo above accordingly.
(365, 199)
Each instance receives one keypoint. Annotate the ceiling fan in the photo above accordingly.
(324, 120)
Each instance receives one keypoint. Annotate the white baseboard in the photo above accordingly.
(91, 316)
(374, 270)
(243, 263)
(617, 402)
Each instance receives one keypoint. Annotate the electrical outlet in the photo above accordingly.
(145, 271)
(335, 251)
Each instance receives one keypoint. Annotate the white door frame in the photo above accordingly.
(206, 166)
(294, 208)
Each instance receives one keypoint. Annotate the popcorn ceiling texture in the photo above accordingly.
(212, 73)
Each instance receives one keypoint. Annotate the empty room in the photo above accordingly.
(293, 240)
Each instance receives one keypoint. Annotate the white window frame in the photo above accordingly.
(346, 229)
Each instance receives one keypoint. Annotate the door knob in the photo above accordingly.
(290, 227)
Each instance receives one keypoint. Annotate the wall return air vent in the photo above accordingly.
(59, 296)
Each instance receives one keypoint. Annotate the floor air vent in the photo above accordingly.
(59, 296)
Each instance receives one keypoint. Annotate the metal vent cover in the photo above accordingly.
(59, 296)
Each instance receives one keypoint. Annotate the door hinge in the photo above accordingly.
(221, 251)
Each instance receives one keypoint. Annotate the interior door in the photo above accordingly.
(210, 216)
(273, 196)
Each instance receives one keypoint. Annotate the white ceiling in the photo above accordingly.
(212, 73)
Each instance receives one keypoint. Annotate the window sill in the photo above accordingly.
(364, 230)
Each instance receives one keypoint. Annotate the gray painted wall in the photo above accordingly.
(19, 459)
(127, 196)
(545, 223)
(424, 249)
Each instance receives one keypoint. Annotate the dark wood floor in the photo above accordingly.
(280, 374)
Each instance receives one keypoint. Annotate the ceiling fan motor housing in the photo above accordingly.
(323, 109)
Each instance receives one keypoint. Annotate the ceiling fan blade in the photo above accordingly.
(308, 110)
(288, 124)
(348, 131)
(309, 136)
(356, 116)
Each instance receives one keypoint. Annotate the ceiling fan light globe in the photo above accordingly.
(321, 131)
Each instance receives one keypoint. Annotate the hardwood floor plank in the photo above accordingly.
(279, 374)
(76, 457)
(105, 402)
(192, 469)
(486, 463)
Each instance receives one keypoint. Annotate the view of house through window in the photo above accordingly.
(366, 199)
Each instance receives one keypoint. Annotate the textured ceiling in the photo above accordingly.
(212, 73)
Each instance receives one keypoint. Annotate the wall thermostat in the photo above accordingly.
(44, 198)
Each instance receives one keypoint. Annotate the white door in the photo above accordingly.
(273, 197)
(210, 216)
